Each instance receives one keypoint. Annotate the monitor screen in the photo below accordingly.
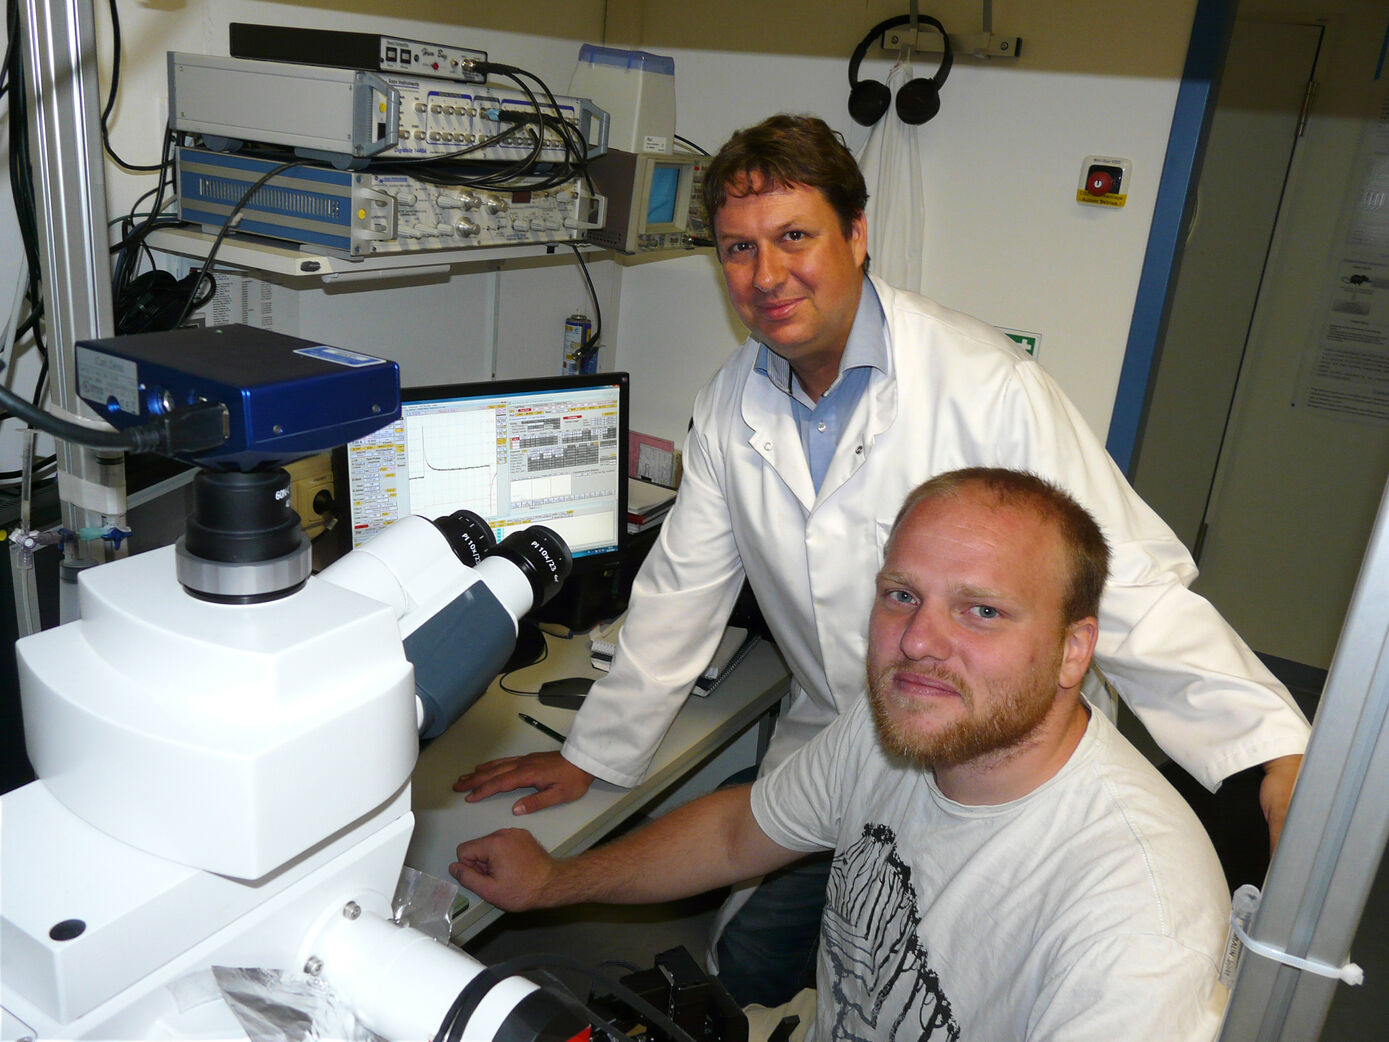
(549, 451)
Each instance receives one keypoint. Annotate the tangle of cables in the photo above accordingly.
(24, 325)
(154, 300)
(146, 298)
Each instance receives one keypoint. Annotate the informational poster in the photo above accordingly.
(253, 302)
(1346, 370)
(242, 298)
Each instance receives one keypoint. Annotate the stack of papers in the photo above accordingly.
(647, 504)
(736, 643)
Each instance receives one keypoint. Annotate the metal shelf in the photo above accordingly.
(268, 255)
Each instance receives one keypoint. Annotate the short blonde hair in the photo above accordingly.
(1087, 552)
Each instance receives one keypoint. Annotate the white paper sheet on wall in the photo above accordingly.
(1345, 371)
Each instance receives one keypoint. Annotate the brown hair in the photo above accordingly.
(784, 151)
(1086, 550)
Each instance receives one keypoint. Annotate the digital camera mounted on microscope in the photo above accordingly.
(223, 742)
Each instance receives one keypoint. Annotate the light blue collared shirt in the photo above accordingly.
(821, 423)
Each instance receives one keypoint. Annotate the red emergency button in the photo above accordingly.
(1099, 182)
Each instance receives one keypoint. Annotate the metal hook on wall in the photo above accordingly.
(983, 44)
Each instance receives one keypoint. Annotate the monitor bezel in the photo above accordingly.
(517, 385)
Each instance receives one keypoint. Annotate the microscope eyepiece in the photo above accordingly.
(542, 557)
(468, 535)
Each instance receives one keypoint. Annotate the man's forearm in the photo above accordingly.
(711, 842)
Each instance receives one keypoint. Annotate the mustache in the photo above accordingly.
(907, 668)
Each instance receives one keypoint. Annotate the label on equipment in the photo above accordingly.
(338, 355)
(105, 378)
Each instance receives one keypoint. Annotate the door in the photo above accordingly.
(1306, 452)
(1253, 133)
(1275, 498)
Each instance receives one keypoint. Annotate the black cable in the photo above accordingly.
(111, 98)
(38, 384)
(130, 440)
(527, 173)
(611, 1029)
(29, 323)
(21, 185)
(538, 144)
(522, 174)
(206, 271)
(544, 654)
(574, 141)
(590, 345)
(459, 153)
(11, 31)
(40, 464)
(456, 1019)
(620, 964)
(128, 249)
(502, 179)
(193, 428)
(687, 141)
(22, 189)
(150, 301)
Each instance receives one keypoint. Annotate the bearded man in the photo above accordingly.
(1006, 864)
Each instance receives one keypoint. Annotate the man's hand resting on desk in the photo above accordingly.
(508, 869)
(554, 778)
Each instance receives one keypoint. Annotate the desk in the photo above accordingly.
(491, 729)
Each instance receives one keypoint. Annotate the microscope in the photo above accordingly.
(224, 742)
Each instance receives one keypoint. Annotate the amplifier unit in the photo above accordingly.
(347, 117)
(363, 214)
(347, 50)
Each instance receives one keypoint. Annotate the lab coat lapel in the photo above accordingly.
(875, 413)
(775, 438)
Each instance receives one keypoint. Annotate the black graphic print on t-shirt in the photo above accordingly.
(884, 988)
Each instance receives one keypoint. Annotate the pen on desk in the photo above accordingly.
(542, 728)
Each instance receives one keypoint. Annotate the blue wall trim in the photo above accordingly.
(1210, 37)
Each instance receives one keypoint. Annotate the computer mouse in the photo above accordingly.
(565, 693)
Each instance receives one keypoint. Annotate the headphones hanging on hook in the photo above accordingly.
(917, 100)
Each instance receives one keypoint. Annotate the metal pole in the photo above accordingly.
(1336, 828)
(69, 179)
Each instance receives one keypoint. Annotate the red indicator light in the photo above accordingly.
(1099, 183)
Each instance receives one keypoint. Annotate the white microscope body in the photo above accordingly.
(218, 782)
(223, 743)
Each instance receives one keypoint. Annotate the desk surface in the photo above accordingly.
(491, 729)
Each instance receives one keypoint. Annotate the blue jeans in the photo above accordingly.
(767, 952)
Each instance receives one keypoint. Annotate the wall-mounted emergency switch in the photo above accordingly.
(1104, 181)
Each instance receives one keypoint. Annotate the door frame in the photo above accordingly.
(1172, 212)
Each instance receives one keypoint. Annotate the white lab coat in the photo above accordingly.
(959, 394)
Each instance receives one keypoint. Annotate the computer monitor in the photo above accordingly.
(550, 451)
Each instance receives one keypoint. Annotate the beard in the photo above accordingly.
(1004, 723)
